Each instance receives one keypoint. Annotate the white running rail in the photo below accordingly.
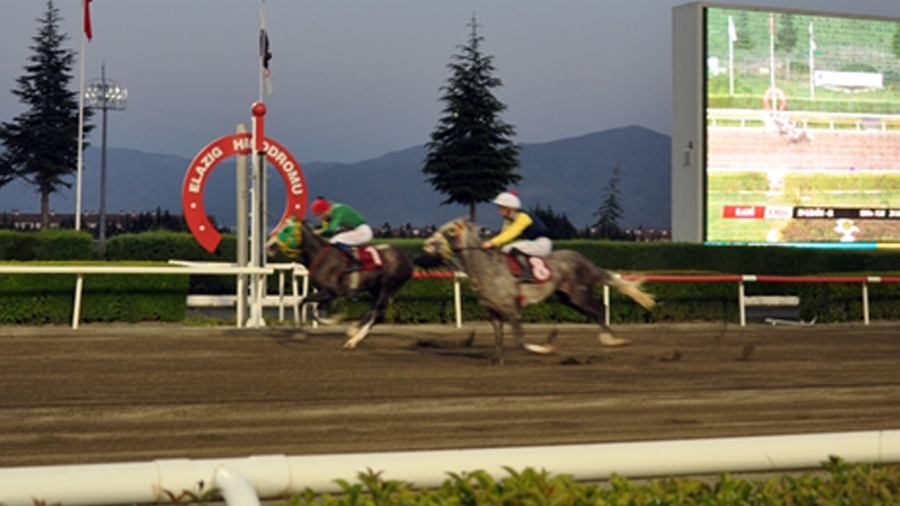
(243, 481)
(82, 270)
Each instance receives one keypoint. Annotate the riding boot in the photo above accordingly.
(355, 265)
(522, 258)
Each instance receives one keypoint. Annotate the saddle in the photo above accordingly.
(362, 258)
(528, 269)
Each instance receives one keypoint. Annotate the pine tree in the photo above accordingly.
(786, 38)
(610, 211)
(42, 143)
(471, 157)
(895, 42)
(558, 225)
(742, 26)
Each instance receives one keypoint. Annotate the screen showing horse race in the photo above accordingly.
(802, 130)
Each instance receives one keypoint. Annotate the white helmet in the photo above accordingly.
(508, 199)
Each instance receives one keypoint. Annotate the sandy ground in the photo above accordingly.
(137, 393)
(834, 150)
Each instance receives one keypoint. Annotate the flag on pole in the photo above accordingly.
(265, 52)
(772, 23)
(812, 38)
(87, 19)
(732, 32)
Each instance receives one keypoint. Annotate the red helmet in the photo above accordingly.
(320, 205)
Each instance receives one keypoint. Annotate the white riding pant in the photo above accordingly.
(359, 235)
(541, 246)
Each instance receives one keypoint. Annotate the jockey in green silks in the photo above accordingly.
(343, 226)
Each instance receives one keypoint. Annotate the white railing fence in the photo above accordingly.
(243, 481)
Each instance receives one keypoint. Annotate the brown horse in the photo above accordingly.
(573, 278)
(327, 266)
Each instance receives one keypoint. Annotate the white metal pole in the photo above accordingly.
(730, 56)
(457, 299)
(242, 239)
(76, 310)
(606, 304)
(812, 62)
(772, 49)
(865, 302)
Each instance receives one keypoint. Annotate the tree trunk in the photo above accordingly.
(45, 210)
(472, 213)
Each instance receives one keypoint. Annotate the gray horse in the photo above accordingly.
(327, 266)
(573, 279)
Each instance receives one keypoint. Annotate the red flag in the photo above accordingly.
(772, 24)
(87, 19)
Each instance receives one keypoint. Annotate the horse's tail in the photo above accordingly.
(629, 287)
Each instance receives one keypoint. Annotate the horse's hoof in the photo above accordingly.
(539, 349)
(334, 320)
(610, 340)
(350, 345)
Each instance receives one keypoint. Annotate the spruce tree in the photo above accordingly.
(786, 38)
(558, 225)
(895, 41)
(742, 26)
(610, 211)
(471, 157)
(41, 144)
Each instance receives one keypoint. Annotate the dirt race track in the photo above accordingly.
(138, 393)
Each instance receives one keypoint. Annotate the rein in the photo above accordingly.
(319, 257)
(492, 263)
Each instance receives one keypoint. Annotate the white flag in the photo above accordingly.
(732, 33)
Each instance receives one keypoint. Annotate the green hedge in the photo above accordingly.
(51, 244)
(841, 483)
(46, 299)
(853, 105)
(49, 298)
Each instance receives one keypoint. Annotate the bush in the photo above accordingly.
(53, 244)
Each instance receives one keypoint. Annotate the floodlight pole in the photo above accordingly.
(104, 95)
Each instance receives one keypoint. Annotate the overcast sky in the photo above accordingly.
(355, 79)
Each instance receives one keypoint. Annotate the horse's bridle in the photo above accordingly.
(285, 247)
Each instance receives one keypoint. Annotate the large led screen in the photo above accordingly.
(802, 129)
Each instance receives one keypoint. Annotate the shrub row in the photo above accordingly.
(47, 245)
(48, 299)
(840, 484)
(797, 103)
(62, 245)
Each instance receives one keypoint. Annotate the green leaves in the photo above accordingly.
(840, 483)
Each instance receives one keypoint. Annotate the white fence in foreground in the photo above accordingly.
(244, 481)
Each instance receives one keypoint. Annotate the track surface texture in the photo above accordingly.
(144, 392)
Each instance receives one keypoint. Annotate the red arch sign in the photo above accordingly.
(210, 156)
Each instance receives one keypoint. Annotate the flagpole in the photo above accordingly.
(772, 48)
(731, 37)
(262, 28)
(812, 62)
(80, 168)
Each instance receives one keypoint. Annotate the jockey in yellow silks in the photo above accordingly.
(522, 234)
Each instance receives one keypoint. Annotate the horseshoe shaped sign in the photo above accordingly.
(210, 156)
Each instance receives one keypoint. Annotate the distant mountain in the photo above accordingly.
(567, 175)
